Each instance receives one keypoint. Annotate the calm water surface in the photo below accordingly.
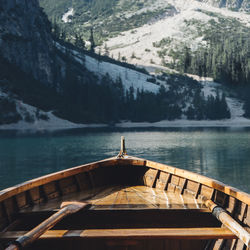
(223, 154)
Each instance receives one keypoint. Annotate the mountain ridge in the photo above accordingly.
(85, 87)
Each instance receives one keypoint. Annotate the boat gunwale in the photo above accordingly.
(128, 160)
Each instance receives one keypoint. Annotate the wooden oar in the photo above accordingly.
(66, 209)
(228, 221)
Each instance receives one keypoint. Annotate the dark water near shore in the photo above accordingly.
(223, 154)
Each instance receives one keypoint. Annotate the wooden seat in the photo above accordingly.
(137, 234)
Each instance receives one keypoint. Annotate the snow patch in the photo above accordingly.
(66, 18)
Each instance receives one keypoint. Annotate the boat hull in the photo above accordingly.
(135, 204)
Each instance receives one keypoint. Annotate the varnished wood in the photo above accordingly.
(29, 237)
(166, 188)
(229, 222)
(116, 197)
(8, 192)
(138, 233)
(244, 197)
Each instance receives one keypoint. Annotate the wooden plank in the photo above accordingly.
(10, 208)
(175, 180)
(83, 181)
(177, 184)
(35, 195)
(8, 192)
(53, 205)
(107, 201)
(207, 191)
(246, 219)
(121, 199)
(4, 219)
(68, 185)
(150, 177)
(193, 187)
(138, 233)
(139, 198)
(163, 180)
(21, 200)
(135, 197)
(151, 195)
(135, 201)
(167, 200)
(51, 190)
(242, 196)
(171, 187)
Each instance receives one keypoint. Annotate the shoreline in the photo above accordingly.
(47, 126)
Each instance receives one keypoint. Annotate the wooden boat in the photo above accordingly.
(124, 203)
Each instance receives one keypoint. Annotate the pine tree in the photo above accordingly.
(106, 50)
(92, 41)
(79, 42)
(187, 59)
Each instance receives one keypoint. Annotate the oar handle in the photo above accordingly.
(66, 209)
(228, 221)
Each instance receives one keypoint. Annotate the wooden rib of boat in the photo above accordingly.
(125, 203)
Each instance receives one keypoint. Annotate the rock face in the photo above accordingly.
(239, 5)
(25, 38)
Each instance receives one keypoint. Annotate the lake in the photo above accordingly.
(220, 153)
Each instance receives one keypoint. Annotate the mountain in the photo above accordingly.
(44, 77)
(198, 38)
(109, 18)
(164, 34)
(25, 38)
(34, 71)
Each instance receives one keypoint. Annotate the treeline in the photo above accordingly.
(210, 108)
(245, 93)
(85, 98)
(8, 111)
(226, 58)
(108, 101)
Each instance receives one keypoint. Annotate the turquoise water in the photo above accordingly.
(223, 154)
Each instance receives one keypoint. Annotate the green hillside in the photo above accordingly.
(107, 17)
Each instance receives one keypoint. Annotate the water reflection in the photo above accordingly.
(219, 153)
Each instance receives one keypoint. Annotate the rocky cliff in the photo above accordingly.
(25, 38)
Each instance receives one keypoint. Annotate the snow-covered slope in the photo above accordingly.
(129, 77)
(184, 27)
(235, 105)
(36, 120)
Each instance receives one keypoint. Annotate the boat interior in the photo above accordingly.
(132, 204)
